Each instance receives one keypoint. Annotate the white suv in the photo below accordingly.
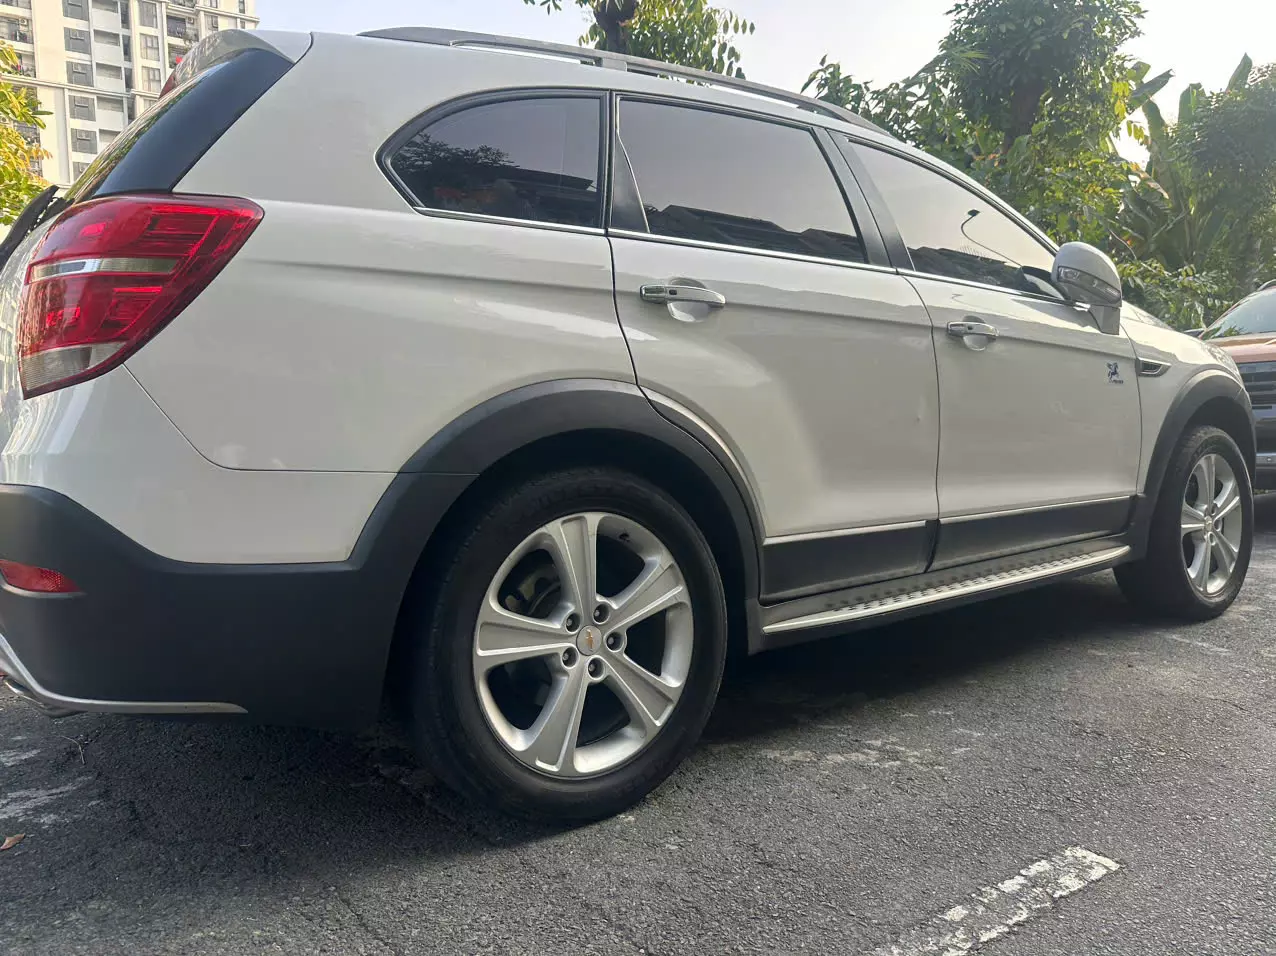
(523, 390)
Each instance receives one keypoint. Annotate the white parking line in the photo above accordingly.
(995, 910)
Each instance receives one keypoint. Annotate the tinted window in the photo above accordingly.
(951, 231)
(533, 159)
(719, 178)
(1253, 316)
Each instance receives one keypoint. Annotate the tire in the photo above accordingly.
(472, 729)
(1162, 582)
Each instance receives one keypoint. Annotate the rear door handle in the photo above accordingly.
(671, 294)
(975, 335)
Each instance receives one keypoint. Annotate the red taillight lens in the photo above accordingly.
(171, 83)
(112, 272)
(26, 577)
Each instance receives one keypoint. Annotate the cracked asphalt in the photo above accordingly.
(844, 794)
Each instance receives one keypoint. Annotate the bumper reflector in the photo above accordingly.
(25, 577)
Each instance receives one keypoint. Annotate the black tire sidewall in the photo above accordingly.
(457, 729)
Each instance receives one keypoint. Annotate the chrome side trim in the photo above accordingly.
(747, 250)
(61, 705)
(506, 221)
(844, 532)
(947, 592)
(1151, 368)
(956, 519)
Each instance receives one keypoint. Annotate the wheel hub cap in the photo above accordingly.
(590, 641)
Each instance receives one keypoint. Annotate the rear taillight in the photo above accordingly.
(112, 272)
(27, 577)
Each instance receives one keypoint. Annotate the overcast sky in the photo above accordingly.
(874, 39)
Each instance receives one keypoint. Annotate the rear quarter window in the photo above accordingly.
(537, 159)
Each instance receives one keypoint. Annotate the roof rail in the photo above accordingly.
(618, 61)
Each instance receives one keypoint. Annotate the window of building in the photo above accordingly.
(147, 14)
(75, 9)
(77, 41)
(84, 140)
(107, 104)
(107, 72)
(80, 74)
(106, 136)
(736, 181)
(26, 64)
(150, 47)
(215, 4)
(151, 79)
(82, 107)
(107, 6)
(211, 19)
(534, 159)
(105, 38)
(243, 6)
(79, 169)
(951, 231)
(126, 41)
(14, 31)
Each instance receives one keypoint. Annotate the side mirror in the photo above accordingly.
(1088, 277)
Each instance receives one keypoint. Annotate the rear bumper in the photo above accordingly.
(300, 644)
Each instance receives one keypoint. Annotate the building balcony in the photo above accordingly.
(25, 69)
(16, 4)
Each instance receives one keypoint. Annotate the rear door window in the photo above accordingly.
(734, 180)
(536, 159)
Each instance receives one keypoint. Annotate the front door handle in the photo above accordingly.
(672, 294)
(974, 334)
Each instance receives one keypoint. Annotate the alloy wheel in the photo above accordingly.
(1212, 524)
(583, 644)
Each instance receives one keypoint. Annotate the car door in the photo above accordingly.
(1039, 410)
(745, 292)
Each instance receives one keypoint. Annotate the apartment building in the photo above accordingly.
(96, 64)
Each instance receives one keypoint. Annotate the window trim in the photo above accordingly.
(886, 219)
(860, 212)
(460, 104)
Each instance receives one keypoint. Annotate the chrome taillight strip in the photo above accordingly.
(79, 267)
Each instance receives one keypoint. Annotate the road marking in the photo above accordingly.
(995, 910)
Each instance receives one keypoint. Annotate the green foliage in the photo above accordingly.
(1182, 297)
(1055, 56)
(687, 32)
(18, 106)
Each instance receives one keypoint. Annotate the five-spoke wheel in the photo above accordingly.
(579, 673)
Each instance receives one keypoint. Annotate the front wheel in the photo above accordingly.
(1201, 535)
(574, 650)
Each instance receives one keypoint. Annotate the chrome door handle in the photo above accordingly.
(970, 327)
(975, 335)
(672, 294)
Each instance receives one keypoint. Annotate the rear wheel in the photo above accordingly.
(575, 648)
(1201, 535)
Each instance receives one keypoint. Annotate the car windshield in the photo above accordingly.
(1253, 316)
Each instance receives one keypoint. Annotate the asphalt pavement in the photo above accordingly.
(1044, 775)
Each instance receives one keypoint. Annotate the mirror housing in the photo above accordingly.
(1088, 277)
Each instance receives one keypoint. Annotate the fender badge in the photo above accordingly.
(1114, 374)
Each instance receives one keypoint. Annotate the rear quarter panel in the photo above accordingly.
(342, 339)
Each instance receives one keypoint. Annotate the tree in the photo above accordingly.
(18, 154)
(687, 32)
(1036, 126)
(1055, 57)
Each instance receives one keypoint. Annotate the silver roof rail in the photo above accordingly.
(618, 61)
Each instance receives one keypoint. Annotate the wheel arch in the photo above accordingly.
(538, 428)
(1211, 397)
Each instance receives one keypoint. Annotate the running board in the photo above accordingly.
(950, 590)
